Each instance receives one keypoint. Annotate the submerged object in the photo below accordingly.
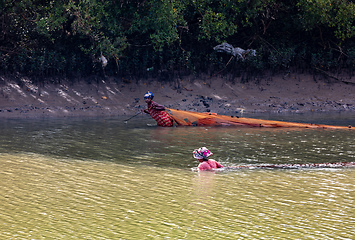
(189, 118)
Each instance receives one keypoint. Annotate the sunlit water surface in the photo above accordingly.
(107, 179)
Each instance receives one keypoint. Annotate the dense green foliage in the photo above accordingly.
(169, 37)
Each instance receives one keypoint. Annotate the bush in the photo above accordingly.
(175, 37)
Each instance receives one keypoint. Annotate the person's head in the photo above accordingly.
(148, 96)
(202, 154)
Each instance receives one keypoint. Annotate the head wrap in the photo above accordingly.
(149, 95)
(201, 153)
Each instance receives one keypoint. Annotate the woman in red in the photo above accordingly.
(202, 155)
(157, 111)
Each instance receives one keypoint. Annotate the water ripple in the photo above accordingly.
(89, 182)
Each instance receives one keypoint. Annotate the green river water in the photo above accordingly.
(104, 179)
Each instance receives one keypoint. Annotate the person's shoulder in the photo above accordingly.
(215, 163)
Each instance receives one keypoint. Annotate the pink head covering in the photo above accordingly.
(201, 153)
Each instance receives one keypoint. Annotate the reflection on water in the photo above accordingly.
(103, 179)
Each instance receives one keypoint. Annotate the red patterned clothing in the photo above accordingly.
(209, 165)
(157, 112)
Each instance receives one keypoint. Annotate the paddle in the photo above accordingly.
(125, 121)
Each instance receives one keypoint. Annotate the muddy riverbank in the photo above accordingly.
(20, 97)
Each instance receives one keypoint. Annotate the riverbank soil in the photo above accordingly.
(20, 97)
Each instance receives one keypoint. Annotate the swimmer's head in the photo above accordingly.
(202, 153)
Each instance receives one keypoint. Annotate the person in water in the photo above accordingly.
(202, 155)
(157, 111)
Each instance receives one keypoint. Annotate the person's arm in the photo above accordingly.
(157, 106)
(219, 165)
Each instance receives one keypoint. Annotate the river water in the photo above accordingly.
(106, 179)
